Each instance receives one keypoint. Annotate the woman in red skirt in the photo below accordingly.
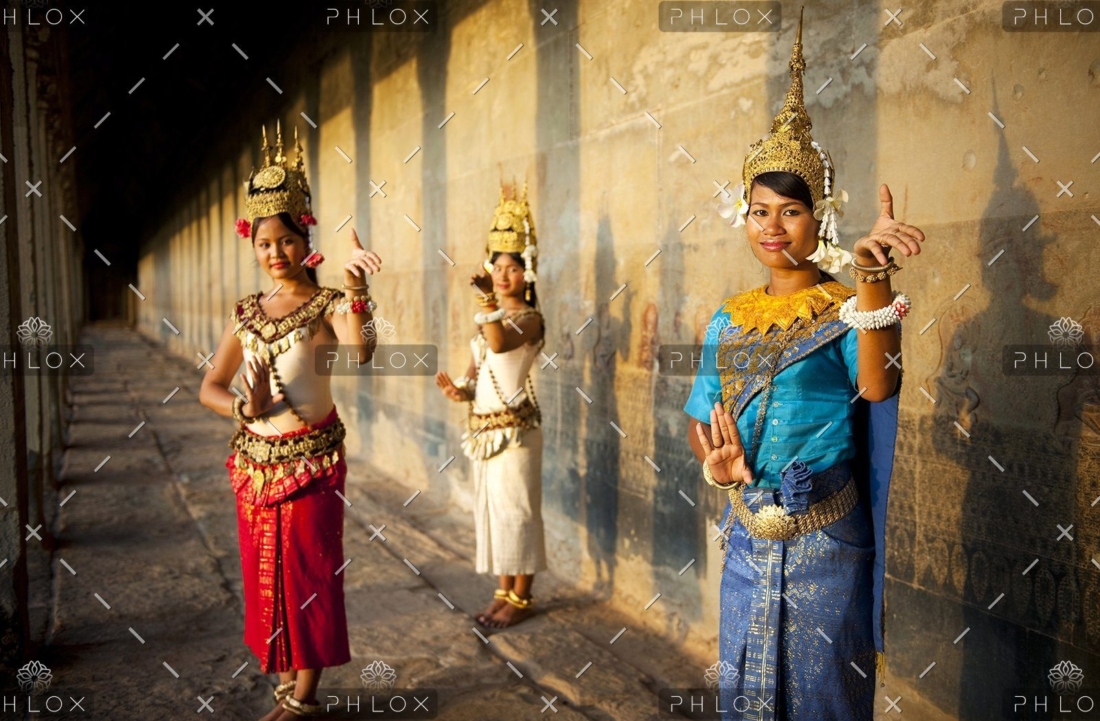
(287, 466)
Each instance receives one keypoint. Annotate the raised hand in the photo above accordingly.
(482, 282)
(450, 390)
(257, 377)
(725, 454)
(887, 233)
(362, 263)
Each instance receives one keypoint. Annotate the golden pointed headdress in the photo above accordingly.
(278, 187)
(513, 231)
(790, 148)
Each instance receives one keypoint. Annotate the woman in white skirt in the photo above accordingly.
(503, 438)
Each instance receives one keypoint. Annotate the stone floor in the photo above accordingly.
(142, 606)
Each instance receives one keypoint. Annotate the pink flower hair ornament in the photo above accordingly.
(244, 228)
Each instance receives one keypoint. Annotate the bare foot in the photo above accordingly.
(492, 608)
(287, 715)
(508, 615)
(276, 712)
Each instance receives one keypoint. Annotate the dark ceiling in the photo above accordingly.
(158, 139)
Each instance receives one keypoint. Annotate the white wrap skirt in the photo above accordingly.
(508, 509)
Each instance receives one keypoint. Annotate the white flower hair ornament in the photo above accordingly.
(530, 252)
(829, 256)
(735, 206)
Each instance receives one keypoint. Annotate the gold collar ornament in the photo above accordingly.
(278, 187)
(513, 231)
(756, 310)
(790, 148)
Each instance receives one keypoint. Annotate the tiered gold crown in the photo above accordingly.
(513, 231)
(513, 227)
(279, 186)
(789, 147)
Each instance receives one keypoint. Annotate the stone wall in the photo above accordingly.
(40, 277)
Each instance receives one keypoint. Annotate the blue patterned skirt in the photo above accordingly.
(796, 640)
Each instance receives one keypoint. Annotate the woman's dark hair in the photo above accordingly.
(298, 230)
(790, 186)
(534, 302)
(786, 184)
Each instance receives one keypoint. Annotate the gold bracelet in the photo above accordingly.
(872, 268)
(354, 287)
(487, 300)
(238, 411)
(710, 479)
(866, 276)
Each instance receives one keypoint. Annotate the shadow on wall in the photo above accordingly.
(679, 529)
(602, 443)
(1043, 617)
(361, 52)
(431, 65)
(557, 211)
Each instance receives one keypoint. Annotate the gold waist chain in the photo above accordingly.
(526, 416)
(268, 469)
(772, 522)
(279, 449)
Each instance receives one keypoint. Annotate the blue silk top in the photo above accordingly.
(809, 415)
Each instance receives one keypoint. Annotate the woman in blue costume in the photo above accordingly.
(794, 414)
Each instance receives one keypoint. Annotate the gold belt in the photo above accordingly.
(526, 415)
(773, 523)
(278, 449)
(267, 470)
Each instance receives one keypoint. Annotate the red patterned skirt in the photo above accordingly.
(291, 557)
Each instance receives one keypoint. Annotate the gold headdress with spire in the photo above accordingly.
(790, 148)
(513, 231)
(278, 187)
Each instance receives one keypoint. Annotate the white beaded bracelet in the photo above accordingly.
(483, 318)
(876, 319)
